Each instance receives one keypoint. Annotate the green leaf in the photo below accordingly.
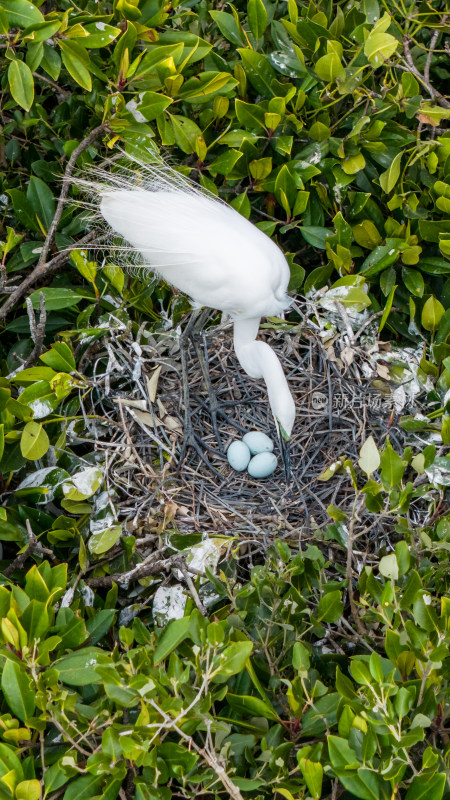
(380, 258)
(360, 673)
(315, 235)
(340, 752)
(150, 105)
(21, 83)
(99, 35)
(353, 164)
(86, 268)
(403, 557)
(413, 281)
(228, 27)
(329, 67)
(366, 234)
(425, 787)
(103, 541)
(22, 13)
(59, 358)
(392, 467)
(251, 706)
(313, 775)
(389, 178)
(76, 62)
(389, 567)
(85, 788)
(41, 200)
(179, 759)
(250, 115)
(51, 62)
(300, 657)
(363, 784)
(330, 607)
(34, 441)
(232, 660)
(175, 633)
(83, 484)
(204, 86)
(225, 163)
(257, 17)
(28, 790)
(79, 668)
(17, 690)
(59, 298)
(387, 309)
(186, 132)
(432, 313)
(259, 71)
(369, 457)
(379, 47)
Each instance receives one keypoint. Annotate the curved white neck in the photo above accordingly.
(260, 361)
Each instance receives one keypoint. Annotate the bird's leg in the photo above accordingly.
(190, 440)
(193, 331)
(202, 355)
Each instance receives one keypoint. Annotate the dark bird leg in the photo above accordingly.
(194, 332)
(190, 440)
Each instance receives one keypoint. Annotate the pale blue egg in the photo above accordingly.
(238, 456)
(258, 442)
(262, 465)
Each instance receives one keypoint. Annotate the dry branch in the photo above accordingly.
(43, 269)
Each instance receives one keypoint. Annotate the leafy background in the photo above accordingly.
(327, 125)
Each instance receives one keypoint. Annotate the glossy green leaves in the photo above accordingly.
(21, 83)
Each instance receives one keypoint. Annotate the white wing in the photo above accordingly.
(202, 247)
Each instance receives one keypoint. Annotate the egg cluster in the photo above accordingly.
(253, 453)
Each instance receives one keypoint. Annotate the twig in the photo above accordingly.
(340, 307)
(42, 271)
(422, 78)
(84, 144)
(349, 569)
(153, 565)
(69, 738)
(182, 567)
(369, 322)
(144, 467)
(37, 333)
(42, 268)
(204, 753)
(33, 547)
(63, 92)
(433, 41)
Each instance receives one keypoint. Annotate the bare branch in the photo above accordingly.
(84, 144)
(33, 547)
(433, 42)
(42, 268)
(182, 567)
(42, 271)
(37, 333)
(425, 78)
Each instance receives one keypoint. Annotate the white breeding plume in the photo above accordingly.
(206, 249)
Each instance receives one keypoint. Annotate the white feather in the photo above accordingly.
(206, 249)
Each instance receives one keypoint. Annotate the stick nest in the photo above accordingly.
(140, 395)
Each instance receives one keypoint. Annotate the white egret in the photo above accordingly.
(203, 247)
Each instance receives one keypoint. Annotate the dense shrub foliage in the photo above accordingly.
(327, 125)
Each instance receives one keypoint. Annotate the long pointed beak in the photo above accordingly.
(285, 450)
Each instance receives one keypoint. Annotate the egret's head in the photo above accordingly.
(283, 410)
